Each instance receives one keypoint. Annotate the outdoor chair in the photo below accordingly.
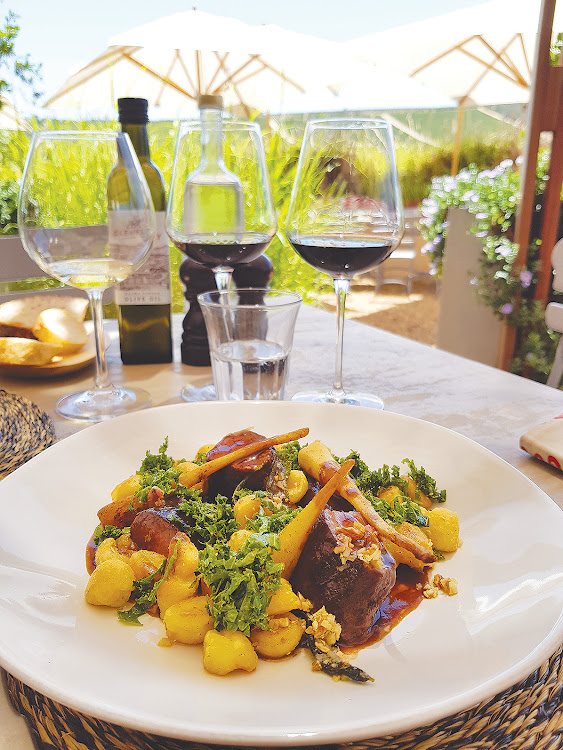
(399, 267)
(554, 315)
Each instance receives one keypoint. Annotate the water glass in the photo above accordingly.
(250, 335)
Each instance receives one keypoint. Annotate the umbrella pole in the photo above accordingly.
(459, 128)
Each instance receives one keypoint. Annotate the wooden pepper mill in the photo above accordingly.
(198, 278)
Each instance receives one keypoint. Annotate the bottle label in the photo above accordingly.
(150, 284)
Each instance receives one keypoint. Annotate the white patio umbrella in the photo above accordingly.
(481, 55)
(171, 60)
(10, 118)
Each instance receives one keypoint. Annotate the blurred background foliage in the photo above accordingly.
(418, 163)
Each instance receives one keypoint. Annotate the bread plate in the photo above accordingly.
(59, 366)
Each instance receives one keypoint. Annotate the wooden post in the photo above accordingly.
(543, 115)
(459, 129)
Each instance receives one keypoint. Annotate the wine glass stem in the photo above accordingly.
(101, 380)
(223, 278)
(341, 287)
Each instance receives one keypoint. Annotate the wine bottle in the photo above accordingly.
(144, 299)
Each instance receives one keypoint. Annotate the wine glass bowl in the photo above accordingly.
(91, 239)
(220, 208)
(345, 215)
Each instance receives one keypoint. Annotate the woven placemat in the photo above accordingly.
(528, 716)
(25, 430)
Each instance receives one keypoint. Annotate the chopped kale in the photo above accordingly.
(288, 455)
(278, 518)
(108, 532)
(425, 483)
(211, 522)
(241, 582)
(371, 481)
(157, 470)
(145, 591)
(402, 509)
(156, 461)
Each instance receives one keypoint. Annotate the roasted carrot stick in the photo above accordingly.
(294, 536)
(121, 512)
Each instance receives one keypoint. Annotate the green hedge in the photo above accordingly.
(417, 163)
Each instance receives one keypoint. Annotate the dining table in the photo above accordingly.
(490, 406)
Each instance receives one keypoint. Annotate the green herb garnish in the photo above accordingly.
(279, 517)
(400, 510)
(288, 456)
(108, 532)
(210, 522)
(145, 591)
(425, 483)
(241, 582)
(157, 470)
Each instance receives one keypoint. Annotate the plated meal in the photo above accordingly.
(441, 657)
(258, 546)
(44, 335)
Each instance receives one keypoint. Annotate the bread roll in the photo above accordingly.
(61, 327)
(22, 351)
(18, 316)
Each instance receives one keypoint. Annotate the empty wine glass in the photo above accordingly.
(345, 216)
(85, 216)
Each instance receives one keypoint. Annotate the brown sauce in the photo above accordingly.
(404, 597)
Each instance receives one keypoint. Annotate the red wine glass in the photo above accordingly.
(345, 216)
(220, 209)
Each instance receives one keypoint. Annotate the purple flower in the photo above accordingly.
(473, 281)
(507, 308)
(529, 356)
(437, 239)
(482, 215)
(503, 251)
(481, 234)
(427, 247)
(526, 279)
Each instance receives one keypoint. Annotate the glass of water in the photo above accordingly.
(250, 335)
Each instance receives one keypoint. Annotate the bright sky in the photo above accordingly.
(64, 35)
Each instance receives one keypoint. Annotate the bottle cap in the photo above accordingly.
(133, 111)
(210, 100)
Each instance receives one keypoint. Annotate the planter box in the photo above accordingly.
(465, 325)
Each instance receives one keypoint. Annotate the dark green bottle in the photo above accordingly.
(144, 299)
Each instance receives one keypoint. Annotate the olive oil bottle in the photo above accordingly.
(144, 299)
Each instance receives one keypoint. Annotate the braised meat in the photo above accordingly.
(253, 473)
(344, 568)
(151, 530)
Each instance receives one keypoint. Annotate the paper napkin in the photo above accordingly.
(545, 441)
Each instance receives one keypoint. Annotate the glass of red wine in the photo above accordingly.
(345, 216)
(220, 208)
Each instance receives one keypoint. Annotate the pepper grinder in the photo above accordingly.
(198, 278)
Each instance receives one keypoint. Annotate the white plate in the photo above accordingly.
(446, 656)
